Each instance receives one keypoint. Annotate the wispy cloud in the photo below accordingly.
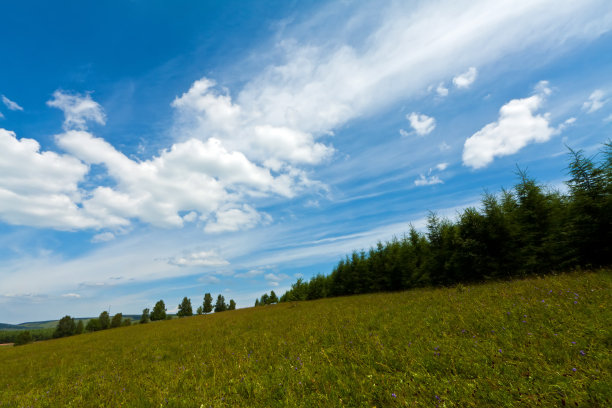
(595, 102)
(11, 105)
(465, 79)
(78, 109)
(421, 123)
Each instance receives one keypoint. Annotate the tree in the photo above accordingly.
(256, 302)
(159, 311)
(184, 309)
(126, 322)
(80, 327)
(65, 327)
(145, 318)
(116, 321)
(199, 310)
(23, 337)
(207, 303)
(265, 299)
(220, 306)
(232, 305)
(93, 325)
(273, 298)
(104, 319)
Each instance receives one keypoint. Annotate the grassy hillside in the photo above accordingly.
(535, 342)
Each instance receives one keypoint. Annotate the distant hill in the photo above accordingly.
(46, 324)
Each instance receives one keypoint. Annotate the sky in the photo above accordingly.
(154, 150)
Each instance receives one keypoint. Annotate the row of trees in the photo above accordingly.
(267, 299)
(530, 229)
(185, 309)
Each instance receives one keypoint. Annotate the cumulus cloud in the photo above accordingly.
(441, 90)
(441, 166)
(14, 106)
(422, 124)
(198, 258)
(517, 126)
(78, 109)
(595, 102)
(465, 79)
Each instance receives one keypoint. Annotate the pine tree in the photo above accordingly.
(273, 298)
(256, 302)
(208, 307)
(184, 309)
(220, 306)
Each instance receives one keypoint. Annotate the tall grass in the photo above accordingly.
(535, 342)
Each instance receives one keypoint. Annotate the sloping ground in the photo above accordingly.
(535, 342)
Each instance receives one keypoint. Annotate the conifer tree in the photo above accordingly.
(220, 306)
(208, 306)
(232, 305)
(184, 309)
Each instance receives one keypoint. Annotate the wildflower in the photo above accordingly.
(573, 342)
(582, 353)
(574, 369)
(500, 350)
(393, 395)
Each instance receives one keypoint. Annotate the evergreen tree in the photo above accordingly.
(256, 302)
(116, 320)
(265, 299)
(220, 306)
(232, 305)
(145, 318)
(184, 309)
(104, 320)
(208, 306)
(65, 327)
(159, 311)
(273, 298)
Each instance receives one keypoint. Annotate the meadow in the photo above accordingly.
(533, 342)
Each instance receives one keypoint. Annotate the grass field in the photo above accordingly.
(535, 342)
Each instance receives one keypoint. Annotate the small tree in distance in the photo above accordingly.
(65, 327)
(159, 311)
(232, 305)
(256, 302)
(184, 309)
(80, 327)
(23, 338)
(145, 318)
(104, 320)
(116, 321)
(92, 325)
(207, 303)
(199, 310)
(273, 298)
(220, 306)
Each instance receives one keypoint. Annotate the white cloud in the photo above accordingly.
(517, 126)
(103, 237)
(273, 277)
(250, 274)
(608, 119)
(14, 106)
(78, 109)
(234, 219)
(198, 258)
(441, 166)
(427, 180)
(441, 90)
(595, 102)
(422, 124)
(465, 79)
(404, 133)
(1, 115)
(71, 295)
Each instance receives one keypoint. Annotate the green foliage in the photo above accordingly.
(528, 230)
(273, 298)
(200, 310)
(184, 309)
(220, 306)
(80, 327)
(145, 318)
(232, 305)
(65, 327)
(93, 325)
(116, 320)
(104, 320)
(207, 306)
(24, 337)
(470, 347)
(126, 322)
(256, 302)
(159, 311)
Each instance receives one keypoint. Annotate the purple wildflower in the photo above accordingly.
(393, 395)
(582, 353)
(573, 369)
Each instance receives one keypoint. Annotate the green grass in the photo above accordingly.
(535, 342)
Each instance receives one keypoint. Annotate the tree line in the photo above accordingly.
(529, 229)
(69, 326)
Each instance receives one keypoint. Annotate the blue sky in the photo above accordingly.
(154, 150)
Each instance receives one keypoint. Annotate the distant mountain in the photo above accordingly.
(6, 326)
